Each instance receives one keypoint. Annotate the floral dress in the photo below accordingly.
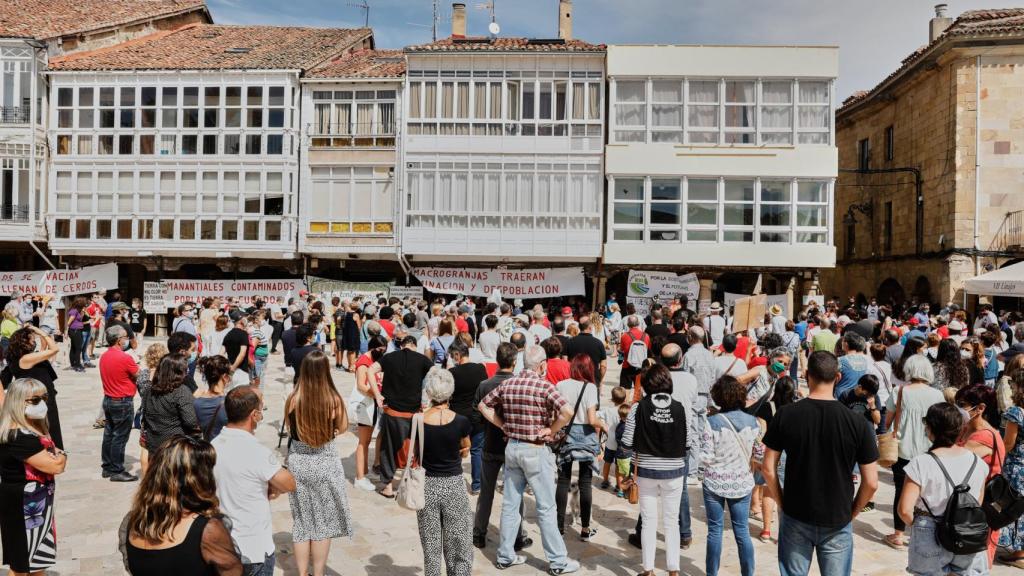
(1012, 536)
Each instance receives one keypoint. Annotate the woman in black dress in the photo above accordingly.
(174, 526)
(25, 362)
(350, 336)
(168, 404)
(28, 463)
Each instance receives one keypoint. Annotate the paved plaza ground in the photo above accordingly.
(89, 510)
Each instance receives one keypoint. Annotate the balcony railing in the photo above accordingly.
(344, 135)
(14, 114)
(1010, 235)
(9, 213)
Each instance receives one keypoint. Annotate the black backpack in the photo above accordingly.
(963, 527)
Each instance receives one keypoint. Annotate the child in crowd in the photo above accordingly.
(623, 457)
(610, 416)
(862, 399)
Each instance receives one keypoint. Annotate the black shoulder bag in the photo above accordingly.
(1002, 504)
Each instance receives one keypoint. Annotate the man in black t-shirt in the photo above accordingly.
(657, 327)
(400, 397)
(822, 439)
(493, 452)
(118, 318)
(137, 318)
(303, 336)
(236, 342)
(585, 343)
(678, 336)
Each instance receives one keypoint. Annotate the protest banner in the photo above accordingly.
(405, 292)
(529, 283)
(327, 288)
(246, 292)
(780, 299)
(644, 287)
(59, 283)
(154, 297)
(749, 313)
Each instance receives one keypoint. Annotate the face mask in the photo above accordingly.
(965, 354)
(126, 346)
(778, 367)
(36, 411)
(192, 357)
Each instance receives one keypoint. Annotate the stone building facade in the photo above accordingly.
(924, 200)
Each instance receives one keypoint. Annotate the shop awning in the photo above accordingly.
(1008, 281)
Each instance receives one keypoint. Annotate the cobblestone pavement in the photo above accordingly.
(89, 510)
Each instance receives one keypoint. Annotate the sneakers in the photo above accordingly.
(124, 477)
(684, 543)
(605, 485)
(364, 484)
(869, 507)
(587, 533)
(515, 562)
(570, 567)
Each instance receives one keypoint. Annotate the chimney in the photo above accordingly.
(458, 20)
(938, 24)
(565, 19)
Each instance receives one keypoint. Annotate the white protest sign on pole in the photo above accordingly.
(643, 287)
(58, 283)
(780, 299)
(154, 297)
(246, 292)
(530, 283)
(405, 292)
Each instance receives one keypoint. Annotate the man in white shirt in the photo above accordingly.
(778, 319)
(728, 362)
(489, 339)
(248, 477)
(537, 329)
(714, 324)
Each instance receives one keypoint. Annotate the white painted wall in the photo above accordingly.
(717, 61)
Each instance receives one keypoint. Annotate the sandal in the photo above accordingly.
(388, 496)
(895, 542)
(1011, 561)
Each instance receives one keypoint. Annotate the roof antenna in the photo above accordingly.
(365, 7)
(493, 27)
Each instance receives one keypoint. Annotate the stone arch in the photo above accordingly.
(923, 290)
(891, 293)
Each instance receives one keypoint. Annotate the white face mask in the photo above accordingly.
(36, 411)
(965, 354)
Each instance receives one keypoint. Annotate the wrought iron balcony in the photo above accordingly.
(15, 114)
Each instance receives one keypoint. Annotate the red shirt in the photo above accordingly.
(492, 368)
(116, 371)
(742, 343)
(388, 327)
(558, 370)
(758, 361)
(94, 311)
(943, 331)
(461, 325)
(627, 339)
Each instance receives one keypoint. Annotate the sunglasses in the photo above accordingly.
(35, 400)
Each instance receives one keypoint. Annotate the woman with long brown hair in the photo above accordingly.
(316, 414)
(174, 524)
(144, 379)
(24, 361)
(973, 352)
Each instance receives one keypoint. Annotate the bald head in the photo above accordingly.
(672, 355)
(695, 335)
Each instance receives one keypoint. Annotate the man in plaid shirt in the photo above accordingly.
(530, 411)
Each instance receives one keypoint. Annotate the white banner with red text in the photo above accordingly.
(529, 283)
(59, 283)
(245, 292)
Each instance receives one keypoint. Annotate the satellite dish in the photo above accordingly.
(494, 28)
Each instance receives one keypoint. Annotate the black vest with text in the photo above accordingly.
(660, 427)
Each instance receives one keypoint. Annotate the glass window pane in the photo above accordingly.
(810, 216)
(629, 189)
(739, 190)
(777, 117)
(128, 96)
(814, 138)
(703, 116)
(738, 214)
(777, 92)
(634, 91)
(663, 213)
(739, 91)
(775, 237)
(740, 117)
(149, 96)
(630, 114)
(85, 96)
(170, 96)
(233, 96)
(702, 189)
(629, 213)
(813, 92)
(814, 117)
(628, 235)
(811, 237)
(737, 236)
(775, 214)
(702, 214)
(774, 191)
(667, 91)
(667, 115)
(703, 91)
(811, 192)
(665, 190)
(702, 235)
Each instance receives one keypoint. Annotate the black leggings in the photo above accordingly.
(898, 478)
(76, 337)
(562, 492)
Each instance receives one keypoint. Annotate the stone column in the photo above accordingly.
(707, 281)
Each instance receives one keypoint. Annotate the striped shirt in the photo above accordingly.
(651, 466)
(528, 404)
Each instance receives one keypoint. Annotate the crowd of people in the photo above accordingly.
(791, 415)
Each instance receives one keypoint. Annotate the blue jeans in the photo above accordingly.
(926, 557)
(739, 511)
(86, 336)
(799, 540)
(476, 447)
(265, 568)
(119, 414)
(531, 464)
(685, 532)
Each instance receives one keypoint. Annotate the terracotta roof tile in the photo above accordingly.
(483, 44)
(210, 47)
(51, 18)
(363, 64)
(1008, 22)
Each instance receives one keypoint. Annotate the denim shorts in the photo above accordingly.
(927, 557)
(609, 456)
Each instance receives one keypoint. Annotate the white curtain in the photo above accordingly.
(477, 193)
(492, 198)
(430, 100)
(813, 92)
(364, 119)
(322, 119)
(460, 192)
(513, 100)
(777, 116)
(495, 90)
(739, 91)
(342, 120)
(448, 100)
(480, 100)
(463, 110)
(667, 91)
(703, 91)
(525, 197)
(594, 101)
(633, 91)
(703, 116)
(558, 194)
(509, 194)
(667, 115)
(385, 118)
(813, 116)
(579, 100)
(415, 89)
(777, 92)
(444, 194)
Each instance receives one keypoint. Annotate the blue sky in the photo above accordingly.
(873, 35)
